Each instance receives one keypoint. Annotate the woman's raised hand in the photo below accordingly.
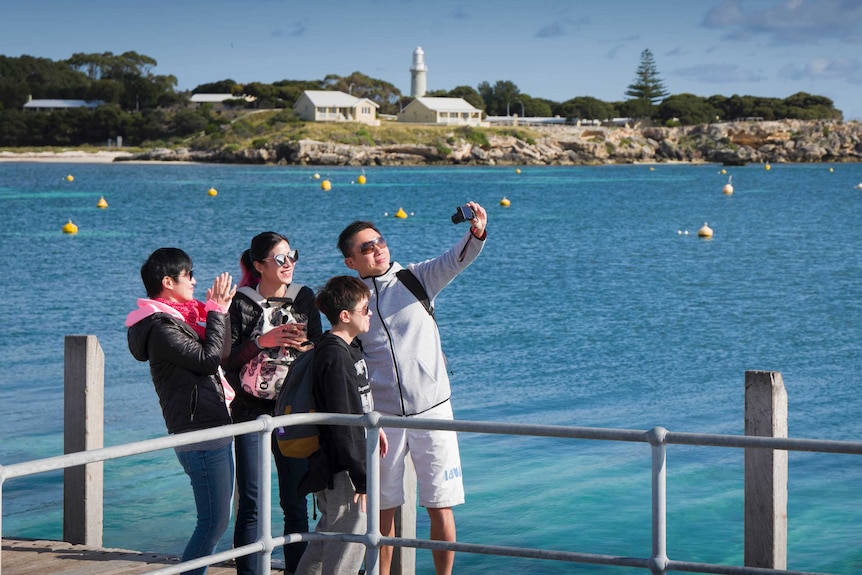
(223, 290)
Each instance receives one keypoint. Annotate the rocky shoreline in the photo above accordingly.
(731, 143)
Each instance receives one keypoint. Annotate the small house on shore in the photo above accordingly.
(48, 105)
(336, 106)
(446, 111)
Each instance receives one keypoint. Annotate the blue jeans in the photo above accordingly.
(211, 475)
(295, 508)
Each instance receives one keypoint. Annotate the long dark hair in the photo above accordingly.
(261, 244)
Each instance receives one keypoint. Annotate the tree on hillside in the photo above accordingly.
(107, 65)
(226, 86)
(647, 89)
(499, 97)
(587, 108)
(383, 93)
(687, 109)
(470, 95)
(39, 78)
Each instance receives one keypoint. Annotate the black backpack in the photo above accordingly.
(296, 396)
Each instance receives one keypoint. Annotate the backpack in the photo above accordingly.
(264, 374)
(296, 396)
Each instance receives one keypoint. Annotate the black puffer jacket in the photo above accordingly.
(184, 368)
(244, 317)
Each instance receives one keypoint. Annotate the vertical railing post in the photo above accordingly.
(372, 489)
(404, 558)
(83, 429)
(2, 481)
(264, 518)
(658, 560)
(765, 472)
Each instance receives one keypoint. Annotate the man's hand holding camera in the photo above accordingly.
(473, 213)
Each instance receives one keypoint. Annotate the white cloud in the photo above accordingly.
(789, 21)
(848, 69)
(719, 74)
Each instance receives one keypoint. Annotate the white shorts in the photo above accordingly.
(436, 459)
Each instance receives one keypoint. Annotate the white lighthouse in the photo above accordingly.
(418, 79)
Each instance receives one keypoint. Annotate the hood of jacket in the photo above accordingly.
(139, 329)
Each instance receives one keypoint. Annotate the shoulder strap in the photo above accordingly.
(412, 283)
(293, 291)
(253, 295)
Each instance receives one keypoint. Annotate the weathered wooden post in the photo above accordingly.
(404, 558)
(83, 428)
(765, 472)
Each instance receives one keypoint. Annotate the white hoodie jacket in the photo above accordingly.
(402, 349)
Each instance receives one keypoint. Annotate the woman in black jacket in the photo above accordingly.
(259, 360)
(184, 341)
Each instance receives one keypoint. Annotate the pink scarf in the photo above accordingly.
(193, 312)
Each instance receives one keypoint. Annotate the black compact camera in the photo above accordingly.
(463, 214)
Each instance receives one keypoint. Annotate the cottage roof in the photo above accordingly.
(447, 104)
(335, 99)
(211, 98)
(49, 103)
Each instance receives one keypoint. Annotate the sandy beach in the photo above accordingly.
(70, 156)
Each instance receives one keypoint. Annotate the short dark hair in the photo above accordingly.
(345, 239)
(340, 293)
(170, 262)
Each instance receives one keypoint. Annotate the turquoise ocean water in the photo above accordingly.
(589, 307)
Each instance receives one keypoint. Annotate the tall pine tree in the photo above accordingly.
(647, 90)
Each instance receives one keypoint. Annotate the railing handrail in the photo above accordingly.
(657, 437)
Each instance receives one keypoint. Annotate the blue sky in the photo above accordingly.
(554, 49)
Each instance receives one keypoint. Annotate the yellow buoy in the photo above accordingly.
(505, 202)
(69, 178)
(517, 170)
(361, 179)
(705, 231)
(102, 204)
(70, 228)
(723, 171)
(728, 187)
(213, 192)
(325, 185)
(767, 167)
(400, 213)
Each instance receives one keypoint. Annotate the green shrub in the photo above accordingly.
(475, 137)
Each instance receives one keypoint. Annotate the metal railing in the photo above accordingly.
(658, 438)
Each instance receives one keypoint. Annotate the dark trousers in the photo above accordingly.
(295, 508)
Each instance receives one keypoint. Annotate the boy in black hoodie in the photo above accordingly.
(337, 471)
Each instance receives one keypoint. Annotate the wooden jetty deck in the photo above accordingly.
(36, 557)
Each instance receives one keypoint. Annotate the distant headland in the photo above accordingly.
(731, 143)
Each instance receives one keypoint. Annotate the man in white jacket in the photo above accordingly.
(408, 375)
